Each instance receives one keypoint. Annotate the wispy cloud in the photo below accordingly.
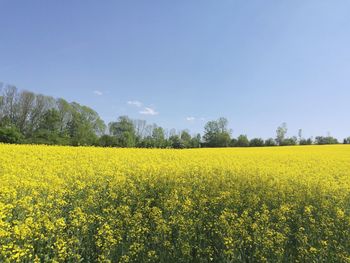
(135, 103)
(98, 93)
(148, 111)
(190, 118)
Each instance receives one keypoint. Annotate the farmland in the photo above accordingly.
(89, 204)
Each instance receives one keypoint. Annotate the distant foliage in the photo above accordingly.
(123, 131)
(288, 141)
(325, 140)
(26, 117)
(217, 133)
(308, 141)
(281, 133)
(256, 142)
(43, 119)
(10, 134)
(242, 141)
(270, 142)
(346, 140)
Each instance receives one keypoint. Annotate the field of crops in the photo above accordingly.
(282, 204)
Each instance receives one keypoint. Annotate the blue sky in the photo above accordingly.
(182, 63)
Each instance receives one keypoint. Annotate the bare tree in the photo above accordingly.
(65, 111)
(10, 95)
(1, 101)
(281, 133)
(172, 132)
(149, 130)
(300, 135)
(24, 107)
(41, 105)
(140, 126)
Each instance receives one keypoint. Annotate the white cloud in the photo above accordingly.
(98, 93)
(149, 111)
(135, 103)
(190, 118)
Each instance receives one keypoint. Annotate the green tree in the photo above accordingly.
(124, 132)
(217, 133)
(233, 142)
(320, 140)
(80, 131)
(270, 142)
(50, 121)
(306, 141)
(176, 142)
(289, 141)
(186, 139)
(242, 141)
(10, 134)
(256, 142)
(158, 137)
(84, 125)
(48, 131)
(107, 141)
(196, 141)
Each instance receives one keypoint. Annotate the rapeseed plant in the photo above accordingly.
(86, 204)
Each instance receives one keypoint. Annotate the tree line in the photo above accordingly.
(26, 117)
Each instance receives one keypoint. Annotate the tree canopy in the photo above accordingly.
(26, 117)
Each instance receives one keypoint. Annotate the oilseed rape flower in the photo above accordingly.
(89, 204)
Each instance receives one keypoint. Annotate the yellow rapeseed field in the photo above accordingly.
(85, 204)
